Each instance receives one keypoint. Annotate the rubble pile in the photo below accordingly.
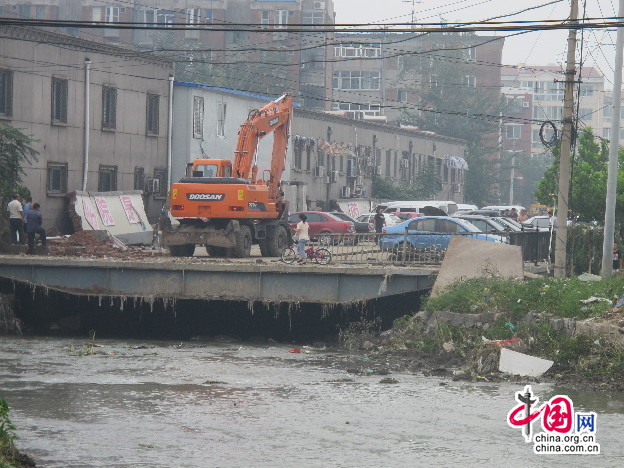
(86, 244)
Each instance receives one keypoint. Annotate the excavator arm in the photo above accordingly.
(273, 118)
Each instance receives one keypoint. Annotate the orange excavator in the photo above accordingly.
(224, 205)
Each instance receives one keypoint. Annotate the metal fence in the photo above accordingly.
(422, 249)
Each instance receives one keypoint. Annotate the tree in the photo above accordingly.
(588, 181)
(425, 187)
(16, 149)
(452, 105)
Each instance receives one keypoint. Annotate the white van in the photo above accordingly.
(504, 207)
(449, 207)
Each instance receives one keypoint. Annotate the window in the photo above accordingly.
(107, 179)
(513, 131)
(111, 15)
(208, 16)
(314, 18)
(470, 80)
(57, 178)
(40, 12)
(427, 225)
(59, 100)
(165, 17)
(198, 117)
(139, 178)
(23, 11)
(445, 225)
(281, 19)
(161, 175)
(153, 101)
(221, 112)
(193, 18)
(265, 20)
(109, 108)
(366, 80)
(471, 54)
(402, 95)
(358, 50)
(358, 110)
(6, 93)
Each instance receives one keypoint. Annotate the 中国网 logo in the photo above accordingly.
(562, 429)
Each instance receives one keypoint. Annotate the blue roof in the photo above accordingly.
(188, 84)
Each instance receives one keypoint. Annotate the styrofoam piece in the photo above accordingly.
(517, 363)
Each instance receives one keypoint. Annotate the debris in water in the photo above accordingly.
(294, 350)
(517, 363)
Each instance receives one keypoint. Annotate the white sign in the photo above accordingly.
(354, 210)
(105, 213)
(90, 215)
(131, 214)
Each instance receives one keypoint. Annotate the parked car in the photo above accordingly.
(369, 218)
(403, 215)
(537, 223)
(360, 226)
(483, 223)
(321, 225)
(430, 232)
(511, 224)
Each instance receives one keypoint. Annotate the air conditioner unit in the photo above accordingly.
(378, 170)
(333, 176)
(404, 163)
(153, 185)
(457, 188)
(357, 192)
(319, 5)
(319, 171)
(359, 181)
(345, 192)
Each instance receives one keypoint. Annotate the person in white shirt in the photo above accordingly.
(553, 220)
(16, 220)
(302, 235)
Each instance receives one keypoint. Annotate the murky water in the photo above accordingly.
(159, 404)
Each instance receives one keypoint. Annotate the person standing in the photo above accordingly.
(380, 220)
(513, 214)
(16, 220)
(34, 224)
(302, 234)
(553, 220)
(523, 216)
(26, 208)
(617, 257)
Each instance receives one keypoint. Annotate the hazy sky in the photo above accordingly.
(534, 48)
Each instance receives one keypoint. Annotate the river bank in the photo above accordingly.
(579, 325)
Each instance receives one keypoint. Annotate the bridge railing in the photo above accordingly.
(423, 249)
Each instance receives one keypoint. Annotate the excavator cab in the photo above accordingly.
(209, 168)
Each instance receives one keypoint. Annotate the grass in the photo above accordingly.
(559, 297)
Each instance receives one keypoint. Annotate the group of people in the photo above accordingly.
(26, 221)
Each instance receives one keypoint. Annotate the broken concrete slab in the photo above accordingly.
(470, 258)
(120, 214)
(513, 362)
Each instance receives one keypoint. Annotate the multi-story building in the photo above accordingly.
(380, 75)
(534, 95)
(114, 143)
(218, 32)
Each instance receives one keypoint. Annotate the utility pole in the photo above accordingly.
(614, 147)
(561, 237)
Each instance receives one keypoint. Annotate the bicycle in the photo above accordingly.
(321, 255)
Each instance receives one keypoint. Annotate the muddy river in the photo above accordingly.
(221, 404)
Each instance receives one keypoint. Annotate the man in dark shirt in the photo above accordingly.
(33, 226)
(617, 257)
(380, 220)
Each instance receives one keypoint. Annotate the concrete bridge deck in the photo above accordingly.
(266, 280)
